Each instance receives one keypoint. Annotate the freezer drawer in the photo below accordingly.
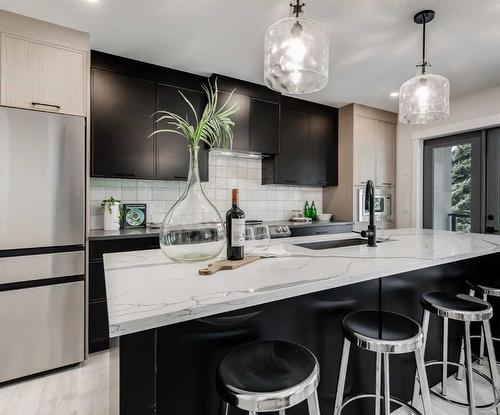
(37, 267)
(41, 328)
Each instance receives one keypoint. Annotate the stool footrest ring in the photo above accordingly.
(477, 336)
(398, 401)
(458, 403)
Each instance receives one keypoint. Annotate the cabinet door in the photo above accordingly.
(264, 126)
(320, 133)
(42, 77)
(292, 163)
(172, 156)
(365, 149)
(241, 119)
(386, 153)
(121, 123)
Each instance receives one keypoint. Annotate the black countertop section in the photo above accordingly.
(101, 234)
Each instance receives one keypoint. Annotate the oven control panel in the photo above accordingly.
(279, 231)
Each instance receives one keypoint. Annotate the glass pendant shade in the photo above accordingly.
(424, 99)
(296, 56)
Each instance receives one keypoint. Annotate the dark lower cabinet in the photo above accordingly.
(172, 155)
(121, 108)
(98, 327)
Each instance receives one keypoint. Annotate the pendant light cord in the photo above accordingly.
(424, 63)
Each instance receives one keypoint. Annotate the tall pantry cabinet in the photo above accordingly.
(367, 151)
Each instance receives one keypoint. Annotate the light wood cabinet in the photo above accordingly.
(374, 146)
(367, 151)
(41, 76)
(364, 150)
(385, 169)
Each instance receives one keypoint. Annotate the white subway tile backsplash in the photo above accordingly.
(271, 202)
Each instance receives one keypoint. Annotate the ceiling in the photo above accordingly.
(374, 43)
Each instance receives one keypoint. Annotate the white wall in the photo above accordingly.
(270, 202)
(468, 112)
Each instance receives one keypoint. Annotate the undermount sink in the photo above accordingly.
(339, 243)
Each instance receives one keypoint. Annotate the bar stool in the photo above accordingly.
(383, 333)
(268, 376)
(468, 309)
(483, 287)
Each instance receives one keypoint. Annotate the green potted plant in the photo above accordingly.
(193, 229)
(111, 207)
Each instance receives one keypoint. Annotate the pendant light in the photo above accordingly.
(426, 97)
(296, 54)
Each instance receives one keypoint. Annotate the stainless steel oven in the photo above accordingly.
(383, 205)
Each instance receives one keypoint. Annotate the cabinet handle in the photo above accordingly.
(291, 181)
(387, 183)
(321, 233)
(41, 104)
(123, 174)
(320, 182)
(228, 320)
(180, 177)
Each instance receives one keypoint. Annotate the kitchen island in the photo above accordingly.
(174, 325)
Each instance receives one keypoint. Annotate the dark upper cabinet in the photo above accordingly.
(121, 122)
(264, 126)
(308, 146)
(320, 133)
(292, 163)
(172, 156)
(257, 122)
(241, 136)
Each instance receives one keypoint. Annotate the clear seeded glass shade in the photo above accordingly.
(424, 99)
(296, 56)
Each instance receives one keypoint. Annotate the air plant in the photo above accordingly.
(213, 127)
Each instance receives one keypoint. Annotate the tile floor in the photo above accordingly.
(86, 390)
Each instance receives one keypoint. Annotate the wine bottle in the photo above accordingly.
(235, 230)
(313, 211)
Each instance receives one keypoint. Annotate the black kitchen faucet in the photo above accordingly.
(371, 233)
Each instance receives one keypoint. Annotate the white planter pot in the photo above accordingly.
(112, 219)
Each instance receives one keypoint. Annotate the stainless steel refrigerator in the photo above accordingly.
(42, 241)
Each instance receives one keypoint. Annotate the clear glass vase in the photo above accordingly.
(193, 229)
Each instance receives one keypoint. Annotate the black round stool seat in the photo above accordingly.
(456, 306)
(266, 368)
(485, 285)
(378, 330)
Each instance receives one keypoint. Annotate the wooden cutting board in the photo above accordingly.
(225, 264)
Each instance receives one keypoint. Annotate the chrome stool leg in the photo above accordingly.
(281, 412)
(424, 384)
(425, 330)
(339, 398)
(387, 385)
(223, 408)
(312, 404)
(492, 361)
(461, 361)
(468, 366)
(481, 344)
(378, 383)
(444, 374)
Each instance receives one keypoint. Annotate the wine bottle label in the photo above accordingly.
(237, 232)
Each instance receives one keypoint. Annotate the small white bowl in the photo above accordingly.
(323, 217)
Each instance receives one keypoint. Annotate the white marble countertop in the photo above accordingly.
(146, 290)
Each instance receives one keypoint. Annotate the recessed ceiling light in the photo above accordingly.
(92, 1)
(394, 94)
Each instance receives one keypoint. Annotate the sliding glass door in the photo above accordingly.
(452, 183)
(493, 181)
(462, 182)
